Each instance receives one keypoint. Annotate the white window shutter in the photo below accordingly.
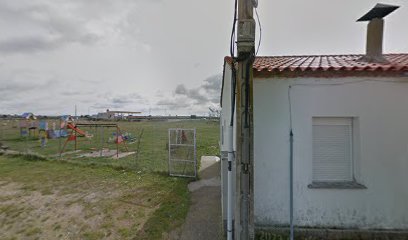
(332, 149)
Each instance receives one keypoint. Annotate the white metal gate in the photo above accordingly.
(182, 152)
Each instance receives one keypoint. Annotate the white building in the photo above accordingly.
(349, 116)
(116, 115)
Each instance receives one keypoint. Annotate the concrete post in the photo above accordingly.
(244, 225)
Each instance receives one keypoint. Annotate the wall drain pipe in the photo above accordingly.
(291, 185)
(291, 234)
(229, 179)
(231, 155)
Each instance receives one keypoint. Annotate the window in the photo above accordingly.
(332, 149)
(333, 153)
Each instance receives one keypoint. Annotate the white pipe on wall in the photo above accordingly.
(291, 235)
(229, 179)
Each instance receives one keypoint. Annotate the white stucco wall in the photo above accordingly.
(381, 163)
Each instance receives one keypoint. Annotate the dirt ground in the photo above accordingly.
(49, 200)
(45, 215)
(203, 220)
(107, 153)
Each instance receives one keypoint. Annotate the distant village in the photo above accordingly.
(109, 115)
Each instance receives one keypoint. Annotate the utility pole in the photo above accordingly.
(244, 224)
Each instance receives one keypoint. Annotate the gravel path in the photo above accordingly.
(203, 221)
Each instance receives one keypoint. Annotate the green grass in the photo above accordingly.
(136, 199)
(151, 203)
(152, 155)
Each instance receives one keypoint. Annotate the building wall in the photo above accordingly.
(381, 164)
(105, 115)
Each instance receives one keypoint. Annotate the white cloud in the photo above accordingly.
(55, 54)
(49, 25)
(194, 100)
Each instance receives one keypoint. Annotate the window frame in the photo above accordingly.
(337, 184)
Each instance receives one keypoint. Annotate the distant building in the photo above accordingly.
(116, 115)
(28, 116)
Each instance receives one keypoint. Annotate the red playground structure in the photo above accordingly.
(77, 132)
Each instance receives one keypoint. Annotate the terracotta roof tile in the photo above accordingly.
(396, 62)
(328, 63)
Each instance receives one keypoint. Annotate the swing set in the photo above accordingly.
(76, 132)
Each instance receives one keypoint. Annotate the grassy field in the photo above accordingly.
(94, 198)
(152, 152)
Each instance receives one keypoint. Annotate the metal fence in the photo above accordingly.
(182, 152)
(158, 146)
(88, 142)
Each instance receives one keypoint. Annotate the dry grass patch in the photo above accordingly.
(53, 200)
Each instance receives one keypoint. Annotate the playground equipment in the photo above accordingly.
(28, 125)
(43, 132)
(28, 115)
(76, 132)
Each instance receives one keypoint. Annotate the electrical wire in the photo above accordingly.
(248, 67)
(260, 32)
(232, 53)
(232, 39)
(233, 86)
(241, 58)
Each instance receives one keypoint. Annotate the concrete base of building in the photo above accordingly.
(282, 233)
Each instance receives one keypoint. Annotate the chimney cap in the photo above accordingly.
(379, 11)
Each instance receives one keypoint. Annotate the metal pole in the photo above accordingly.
(96, 140)
(101, 146)
(291, 185)
(59, 139)
(169, 150)
(26, 142)
(195, 154)
(2, 131)
(117, 142)
(229, 180)
(76, 136)
(26, 137)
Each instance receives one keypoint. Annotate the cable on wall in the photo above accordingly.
(233, 86)
(260, 32)
(234, 23)
(232, 53)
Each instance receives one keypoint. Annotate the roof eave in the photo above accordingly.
(328, 74)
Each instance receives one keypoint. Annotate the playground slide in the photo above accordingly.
(79, 131)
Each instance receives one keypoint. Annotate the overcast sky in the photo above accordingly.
(157, 56)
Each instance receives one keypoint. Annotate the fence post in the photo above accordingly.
(59, 140)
